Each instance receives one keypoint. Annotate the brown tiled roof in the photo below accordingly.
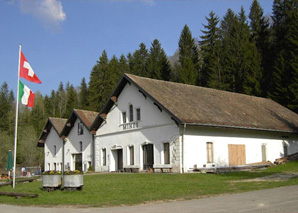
(86, 116)
(204, 106)
(56, 123)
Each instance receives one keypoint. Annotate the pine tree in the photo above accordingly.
(157, 65)
(60, 101)
(210, 44)
(83, 95)
(260, 36)
(112, 76)
(37, 115)
(6, 107)
(123, 64)
(188, 58)
(138, 61)
(72, 100)
(285, 76)
(96, 87)
(240, 62)
(48, 105)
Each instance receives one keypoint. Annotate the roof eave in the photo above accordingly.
(239, 127)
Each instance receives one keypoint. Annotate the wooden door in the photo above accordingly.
(148, 159)
(237, 155)
(77, 162)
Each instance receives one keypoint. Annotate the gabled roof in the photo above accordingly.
(85, 116)
(194, 105)
(56, 123)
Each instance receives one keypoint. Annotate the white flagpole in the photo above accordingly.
(16, 123)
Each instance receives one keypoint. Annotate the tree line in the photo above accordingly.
(254, 55)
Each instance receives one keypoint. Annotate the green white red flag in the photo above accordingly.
(26, 70)
(26, 96)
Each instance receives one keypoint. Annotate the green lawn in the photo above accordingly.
(126, 189)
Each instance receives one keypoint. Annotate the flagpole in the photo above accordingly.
(16, 123)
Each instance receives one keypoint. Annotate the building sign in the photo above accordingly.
(131, 125)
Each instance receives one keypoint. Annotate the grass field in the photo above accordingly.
(127, 189)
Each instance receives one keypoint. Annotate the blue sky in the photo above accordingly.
(63, 39)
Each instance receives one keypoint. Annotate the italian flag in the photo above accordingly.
(26, 70)
(26, 96)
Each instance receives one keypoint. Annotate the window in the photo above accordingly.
(131, 155)
(55, 167)
(55, 150)
(80, 129)
(130, 113)
(104, 157)
(49, 166)
(124, 117)
(166, 148)
(264, 153)
(81, 146)
(210, 152)
(285, 150)
(138, 114)
(61, 167)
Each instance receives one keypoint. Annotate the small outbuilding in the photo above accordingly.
(50, 140)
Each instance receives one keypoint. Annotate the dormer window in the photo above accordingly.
(80, 129)
(130, 113)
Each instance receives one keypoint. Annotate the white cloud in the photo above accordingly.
(49, 12)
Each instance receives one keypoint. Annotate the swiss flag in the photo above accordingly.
(26, 71)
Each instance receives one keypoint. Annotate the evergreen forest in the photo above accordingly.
(243, 52)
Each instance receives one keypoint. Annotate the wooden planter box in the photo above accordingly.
(50, 182)
(73, 181)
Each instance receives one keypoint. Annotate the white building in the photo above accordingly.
(149, 124)
(78, 142)
(52, 143)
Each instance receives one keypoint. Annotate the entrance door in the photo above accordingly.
(77, 161)
(148, 159)
(237, 155)
(120, 159)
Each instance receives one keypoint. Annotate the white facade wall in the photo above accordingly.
(195, 147)
(51, 159)
(188, 148)
(155, 127)
(72, 147)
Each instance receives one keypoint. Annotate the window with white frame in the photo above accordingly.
(264, 152)
(80, 129)
(210, 152)
(138, 112)
(166, 148)
(124, 117)
(285, 150)
(104, 156)
(131, 155)
(130, 113)
(81, 146)
(55, 150)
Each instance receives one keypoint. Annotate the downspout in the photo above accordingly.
(184, 128)
(63, 161)
(93, 152)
